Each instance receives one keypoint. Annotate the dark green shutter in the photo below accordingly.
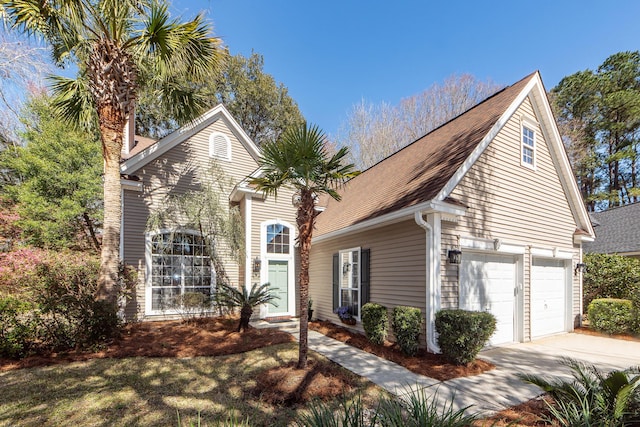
(336, 281)
(365, 274)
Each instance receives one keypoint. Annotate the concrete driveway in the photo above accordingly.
(500, 388)
(543, 355)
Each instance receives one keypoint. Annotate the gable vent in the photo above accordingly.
(220, 146)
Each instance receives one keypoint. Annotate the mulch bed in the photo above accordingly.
(200, 337)
(588, 331)
(533, 412)
(424, 363)
(290, 386)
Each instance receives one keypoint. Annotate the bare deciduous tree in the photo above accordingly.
(373, 132)
(23, 66)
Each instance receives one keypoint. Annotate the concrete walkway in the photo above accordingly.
(493, 390)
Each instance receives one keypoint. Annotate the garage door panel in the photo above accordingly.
(548, 297)
(487, 282)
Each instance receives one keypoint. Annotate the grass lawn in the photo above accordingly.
(145, 391)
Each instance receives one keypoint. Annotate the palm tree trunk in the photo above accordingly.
(305, 220)
(245, 318)
(110, 254)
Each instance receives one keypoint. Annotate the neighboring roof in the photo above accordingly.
(141, 142)
(148, 153)
(617, 230)
(427, 170)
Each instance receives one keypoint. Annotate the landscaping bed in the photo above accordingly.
(424, 363)
(209, 336)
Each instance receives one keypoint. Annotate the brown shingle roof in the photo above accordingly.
(418, 172)
(142, 142)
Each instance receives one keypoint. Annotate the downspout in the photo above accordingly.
(581, 279)
(430, 305)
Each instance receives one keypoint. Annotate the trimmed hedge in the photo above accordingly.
(462, 334)
(611, 276)
(406, 323)
(611, 315)
(374, 322)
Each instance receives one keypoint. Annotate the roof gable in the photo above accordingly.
(428, 170)
(177, 137)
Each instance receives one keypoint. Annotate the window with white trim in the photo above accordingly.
(528, 154)
(179, 264)
(350, 280)
(278, 239)
(220, 146)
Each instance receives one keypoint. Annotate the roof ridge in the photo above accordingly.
(487, 99)
(617, 207)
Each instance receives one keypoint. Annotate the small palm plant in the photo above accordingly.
(591, 396)
(246, 300)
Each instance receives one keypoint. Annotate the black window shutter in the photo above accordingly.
(365, 274)
(336, 281)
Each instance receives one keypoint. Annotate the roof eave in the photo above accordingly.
(430, 206)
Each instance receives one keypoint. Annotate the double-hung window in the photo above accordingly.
(180, 263)
(528, 156)
(349, 273)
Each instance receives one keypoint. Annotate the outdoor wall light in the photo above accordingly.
(581, 267)
(257, 264)
(455, 256)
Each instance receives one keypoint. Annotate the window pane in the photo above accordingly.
(349, 298)
(177, 269)
(163, 298)
(345, 265)
(278, 239)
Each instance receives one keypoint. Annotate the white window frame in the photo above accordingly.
(532, 128)
(212, 147)
(351, 287)
(149, 272)
(289, 257)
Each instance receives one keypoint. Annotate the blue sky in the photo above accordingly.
(332, 54)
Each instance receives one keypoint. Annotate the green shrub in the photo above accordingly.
(462, 334)
(592, 397)
(374, 322)
(611, 315)
(611, 276)
(18, 327)
(414, 408)
(406, 323)
(56, 307)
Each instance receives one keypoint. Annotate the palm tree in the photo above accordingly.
(300, 160)
(118, 47)
(231, 297)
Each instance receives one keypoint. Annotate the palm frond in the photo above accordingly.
(232, 297)
(72, 101)
(299, 160)
(591, 396)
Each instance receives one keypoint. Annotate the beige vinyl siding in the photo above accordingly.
(133, 231)
(450, 273)
(513, 203)
(186, 167)
(576, 294)
(270, 208)
(398, 274)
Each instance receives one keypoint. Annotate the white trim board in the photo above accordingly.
(177, 137)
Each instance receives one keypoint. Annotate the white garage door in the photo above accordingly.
(548, 297)
(487, 283)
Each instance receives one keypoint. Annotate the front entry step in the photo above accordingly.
(287, 324)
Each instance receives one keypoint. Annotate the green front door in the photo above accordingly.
(279, 280)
